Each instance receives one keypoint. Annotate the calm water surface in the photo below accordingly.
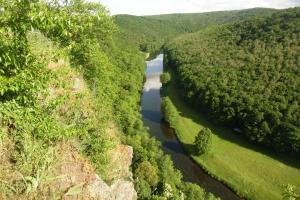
(152, 117)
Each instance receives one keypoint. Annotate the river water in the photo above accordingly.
(152, 118)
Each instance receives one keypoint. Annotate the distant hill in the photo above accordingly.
(150, 32)
(199, 20)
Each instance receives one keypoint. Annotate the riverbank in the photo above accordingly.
(253, 172)
(190, 172)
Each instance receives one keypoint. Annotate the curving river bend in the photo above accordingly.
(152, 118)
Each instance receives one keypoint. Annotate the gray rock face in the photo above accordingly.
(120, 190)
(79, 180)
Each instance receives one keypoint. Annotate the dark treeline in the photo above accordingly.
(245, 75)
(149, 33)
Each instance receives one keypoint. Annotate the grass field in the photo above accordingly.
(253, 172)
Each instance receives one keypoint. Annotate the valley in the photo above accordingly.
(159, 107)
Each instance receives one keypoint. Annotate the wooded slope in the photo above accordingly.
(246, 76)
(150, 32)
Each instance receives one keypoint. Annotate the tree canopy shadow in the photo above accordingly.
(223, 132)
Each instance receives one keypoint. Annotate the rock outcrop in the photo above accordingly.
(77, 179)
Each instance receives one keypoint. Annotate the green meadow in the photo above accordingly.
(252, 171)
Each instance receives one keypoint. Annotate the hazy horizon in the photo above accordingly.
(203, 11)
(154, 7)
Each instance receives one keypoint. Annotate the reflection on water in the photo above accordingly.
(167, 131)
(153, 83)
(152, 118)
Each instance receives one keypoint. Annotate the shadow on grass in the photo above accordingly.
(173, 91)
(191, 149)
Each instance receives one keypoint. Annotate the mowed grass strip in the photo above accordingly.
(252, 171)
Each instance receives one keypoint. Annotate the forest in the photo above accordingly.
(149, 33)
(245, 76)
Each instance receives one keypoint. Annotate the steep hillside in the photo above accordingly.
(51, 94)
(145, 33)
(150, 32)
(69, 101)
(246, 76)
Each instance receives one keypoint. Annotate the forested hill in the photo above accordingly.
(195, 21)
(246, 76)
(150, 32)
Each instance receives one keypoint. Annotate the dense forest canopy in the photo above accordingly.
(245, 75)
(151, 32)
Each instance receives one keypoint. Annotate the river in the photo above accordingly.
(152, 118)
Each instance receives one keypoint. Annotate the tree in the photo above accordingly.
(147, 172)
(170, 112)
(143, 189)
(244, 75)
(203, 141)
(193, 192)
(165, 78)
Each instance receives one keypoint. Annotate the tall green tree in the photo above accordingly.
(203, 141)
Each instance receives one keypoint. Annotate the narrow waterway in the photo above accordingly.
(152, 117)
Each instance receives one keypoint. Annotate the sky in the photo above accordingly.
(152, 7)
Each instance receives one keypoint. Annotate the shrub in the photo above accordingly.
(165, 78)
(170, 112)
(193, 192)
(143, 189)
(147, 172)
(289, 193)
(203, 141)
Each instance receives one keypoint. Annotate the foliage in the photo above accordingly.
(242, 170)
(34, 120)
(245, 76)
(289, 193)
(143, 189)
(169, 110)
(149, 33)
(203, 141)
(18, 66)
(71, 22)
(146, 171)
(40, 107)
(165, 78)
(193, 192)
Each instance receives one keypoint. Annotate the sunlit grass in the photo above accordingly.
(252, 171)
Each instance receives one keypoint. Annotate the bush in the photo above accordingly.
(170, 112)
(143, 189)
(203, 141)
(165, 78)
(193, 192)
(147, 172)
(289, 193)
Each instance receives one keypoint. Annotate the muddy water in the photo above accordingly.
(152, 117)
